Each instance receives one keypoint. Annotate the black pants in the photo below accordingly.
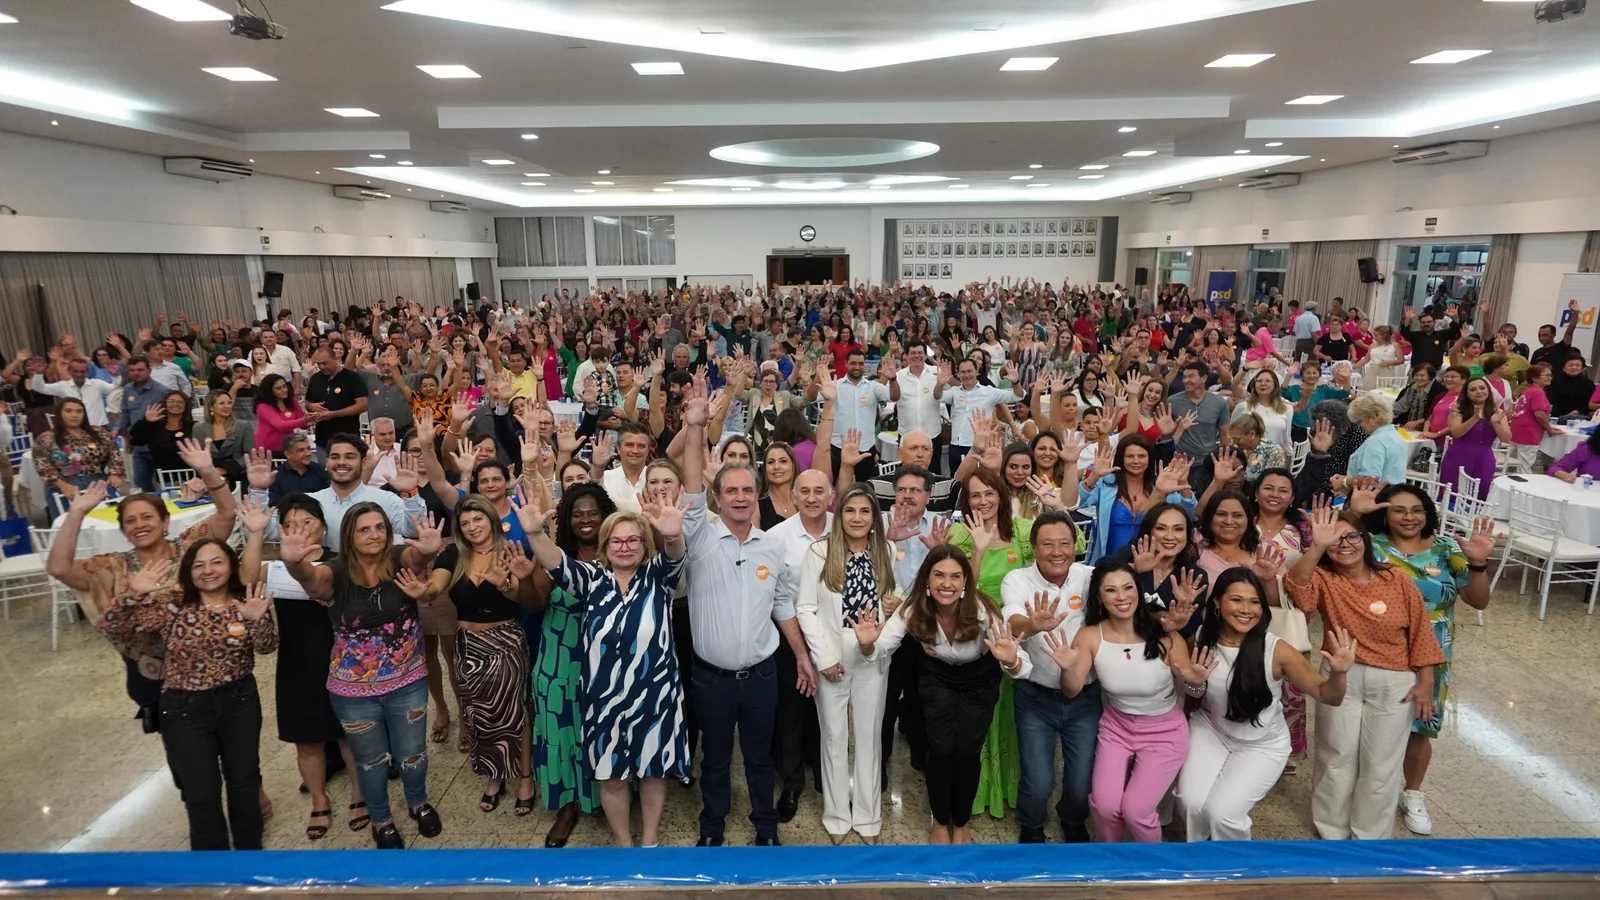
(958, 701)
(199, 728)
(796, 735)
(683, 649)
(866, 469)
(901, 703)
(144, 692)
(746, 700)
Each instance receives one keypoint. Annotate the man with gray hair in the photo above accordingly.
(381, 453)
(298, 473)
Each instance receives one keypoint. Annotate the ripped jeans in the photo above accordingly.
(383, 727)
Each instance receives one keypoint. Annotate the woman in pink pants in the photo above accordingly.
(1138, 665)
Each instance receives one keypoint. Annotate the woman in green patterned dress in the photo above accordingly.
(1404, 524)
(564, 781)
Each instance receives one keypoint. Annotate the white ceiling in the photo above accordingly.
(114, 74)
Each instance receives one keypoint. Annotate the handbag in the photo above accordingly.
(1289, 623)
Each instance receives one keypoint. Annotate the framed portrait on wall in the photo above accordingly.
(1038, 248)
(1022, 248)
(972, 228)
(1011, 227)
(1050, 247)
(972, 249)
(906, 270)
(949, 227)
(908, 227)
(961, 228)
(1077, 226)
(922, 227)
(1077, 248)
(987, 229)
(1050, 227)
(907, 248)
(1027, 228)
(1011, 248)
(922, 271)
(922, 249)
(1038, 228)
(944, 270)
(984, 249)
(961, 249)
(946, 250)
(1090, 226)
(1088, 248)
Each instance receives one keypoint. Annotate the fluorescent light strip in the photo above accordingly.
(1313, 100)
(658, 68)
(54, 96)
(1029, 63)
(1239, 60)
(1127, 129)
(449, 71)
(1448, 57)
(351, 112)
(7, 20)
(1022, 178)
(184, 10)
(1094, 167)
(1141, 153)
(499, 162)
(238, 74)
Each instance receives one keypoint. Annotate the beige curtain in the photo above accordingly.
(1494, 298)
(441, 283)
(1589, 261)
(207, 288)
(483, 274)
(1142, 258)
(1221, 258)
(339, 282)
(307, 283)
(1320, 271)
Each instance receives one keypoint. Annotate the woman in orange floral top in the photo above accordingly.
(212, 627)
(73, 455)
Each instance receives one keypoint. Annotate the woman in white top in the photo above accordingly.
(968, 644)
(1239, 741)
(1137, 664)
(848, 575)
(1263, 396)
(1385, 360)
(1088, 391)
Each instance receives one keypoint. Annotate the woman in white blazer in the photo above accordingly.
(848, 576)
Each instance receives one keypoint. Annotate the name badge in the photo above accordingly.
(1378, 607)
(338, 390)
(763, 573)
(236, 629)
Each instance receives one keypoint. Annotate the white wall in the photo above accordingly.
(1535, 291)
(79, 198)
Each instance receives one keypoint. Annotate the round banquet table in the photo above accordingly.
(1583, 511)
(1556, 446)
(100, 533)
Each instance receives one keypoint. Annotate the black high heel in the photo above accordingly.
(361, 821)
(524, 806)
(318, 832)
(491, 802)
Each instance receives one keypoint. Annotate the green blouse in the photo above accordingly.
(1001, 559)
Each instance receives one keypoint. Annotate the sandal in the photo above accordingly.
(359, 822)
(440, 731)
(318, 832)
(491, 802)
(524, 806)
(461, 742)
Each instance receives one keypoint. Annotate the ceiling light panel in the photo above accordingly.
(499, 162)
(1448, 57)
(530, 137)
(1127, 129)
(1239, 60)
(1313, 100)
(54, 96)
(351, 112)
(238, 74)
(7, 20)
(1141, 153)
(1094, 167)
(1022, 178)
(184, 10)
(658, 68)
(449, 71)
(1029, 63)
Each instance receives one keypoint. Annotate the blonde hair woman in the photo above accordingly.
(231, 438)
(848, 576)
(1264, 396)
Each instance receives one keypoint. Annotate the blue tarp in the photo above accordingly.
(800, 866)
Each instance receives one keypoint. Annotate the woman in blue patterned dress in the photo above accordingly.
(1404, 524)
(633, 725)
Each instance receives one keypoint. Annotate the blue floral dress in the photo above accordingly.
(1440, 573)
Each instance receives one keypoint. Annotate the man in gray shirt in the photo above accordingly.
(1199, 438)
(1306, 326)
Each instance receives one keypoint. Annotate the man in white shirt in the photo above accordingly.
(92, 392)
(345, 453)
(624, 481)
(1049, 596)
(969, 397)
(382, 454)
(920, 390)
(281, 361)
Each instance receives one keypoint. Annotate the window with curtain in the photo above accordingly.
(536, 241)
(1269, 268)
(635, 240)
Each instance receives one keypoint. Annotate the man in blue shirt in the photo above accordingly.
(299, 473)
(1306, 326)
(138, 393)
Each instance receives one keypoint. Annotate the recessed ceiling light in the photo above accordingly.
(1035, 165)
(238, 74)
(658, 68)
(1447, 57)
(1094, 167)
(1238, 60)
(351, 112)
(1240, 152)
(739, 189)
(1275, 143)
(535, 174)
(376, 156)
(1313, 100)
(662, 190)
(184, 10)
(958, 187)
(1397, 146)
(1022, 178)
(403, 162)
(449, 71)
(583, 190)
(249, 160)
(408, 189)
(1140, 153)
(316, 173)
(7, 20)
(712, 29)
(1127, 129)
(877, 187)
(530, 136)
(55, 121)
(1038, 184)
(603, 172)
(1497, 127)
(603, 183)
(1029, 63)
(1090, 177)
(1322, 160)
(532, 184)
(499, 162)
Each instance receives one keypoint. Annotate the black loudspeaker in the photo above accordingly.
(473, 292)
(1369, 269)
(272, 284)
(1141, 276)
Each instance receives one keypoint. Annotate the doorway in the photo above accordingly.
(785, 270)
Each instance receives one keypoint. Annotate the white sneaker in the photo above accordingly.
(1415, 804)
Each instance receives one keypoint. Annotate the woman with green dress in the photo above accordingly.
(1404, 523)
(565, 784)
(997, 544)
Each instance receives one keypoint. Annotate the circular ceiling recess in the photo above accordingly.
(824, 152)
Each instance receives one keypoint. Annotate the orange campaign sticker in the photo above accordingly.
(1075, 602)
(1432, 570)
(899, 554)
(236, 629)
(762, 573)
(1379, 607)
(1011, 556)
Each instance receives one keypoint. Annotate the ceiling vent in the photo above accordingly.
(1268, 182)
(357, 192)
(206, 169)
(448, 206)
(1441, 153)
(1171, 199)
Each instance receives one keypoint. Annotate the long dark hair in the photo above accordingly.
(1148, 479)
(922, 620)
(1377, 521)
(265, 393)
(566, 538)
(1252, 535)
(1189, 556)
(1145, 624)
(1249, 695)
(61, 423)
(191, 594)
(792, 428)
(1002, 512)
(1294, 515)
(1466, 407)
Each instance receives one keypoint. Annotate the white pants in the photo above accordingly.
(1223, 779)
(1526, 454)
(854, 700)
(1361, 746)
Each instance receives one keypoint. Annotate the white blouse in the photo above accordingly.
(894, 632)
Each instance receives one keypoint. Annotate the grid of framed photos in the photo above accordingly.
(925, 244)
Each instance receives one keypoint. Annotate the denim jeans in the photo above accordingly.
(144, 469)
(1045, 718)
(199, 728)
(381, 728)
(747, 701)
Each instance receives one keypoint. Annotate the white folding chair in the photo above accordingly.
(62, 598)
(1466, 485)
(173, 479)
(884, 491)
(1457, 513)
(1536, 543)
(1389, 382)
(1505, 459)
(19, 447)
(1437, 492)
(1302, 449)
(888, 468)
(21, 576)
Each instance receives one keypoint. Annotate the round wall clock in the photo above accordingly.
(807, 233)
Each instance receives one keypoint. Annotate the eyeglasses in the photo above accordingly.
(1350, 539)
(625, 543)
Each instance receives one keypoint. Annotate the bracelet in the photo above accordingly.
(1194, 691)
(216, 487)
(1481, 567)
(407, 495)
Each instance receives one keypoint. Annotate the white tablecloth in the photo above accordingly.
(106, 537)
(1583, 513)
(1556, 446)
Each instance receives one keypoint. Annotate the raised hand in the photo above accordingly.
(1060, 650)
(903, 523)
(529, 513)
(1002, 643)
(1321, 436)
(984, 533)
(850, 449)
(88, 498)
(1043, 614)
(464, 457)
(1267, 562)
(1199, 668)
(517, 561)
(256, 602)
(1049, 495)
(938, 535)
(1072, 446)
(1144, 554)
(1172, 478)
(1480, 545)
(867, 629)
(296, 541)
(254, 515)
(259, 471)
(425, 429)
(1187, 586)
(1104, 461)
(411, 584)
(666, 518)
(1324, 523)
(528, 447)
(429, 539)
(1187, 421)
(460, 411)
(567, 440)
(1364, 495)
(1225, 466)
(153, 577)
(406, 475)
(1343, 656)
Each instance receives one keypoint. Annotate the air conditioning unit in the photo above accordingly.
(1172, 198)
(206, 169)
(357, 192)
(1268, 182)
(448, 206)
(1441, 153)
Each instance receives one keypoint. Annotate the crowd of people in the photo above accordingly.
(605, 537)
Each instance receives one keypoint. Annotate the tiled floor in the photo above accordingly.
(1520, 755)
